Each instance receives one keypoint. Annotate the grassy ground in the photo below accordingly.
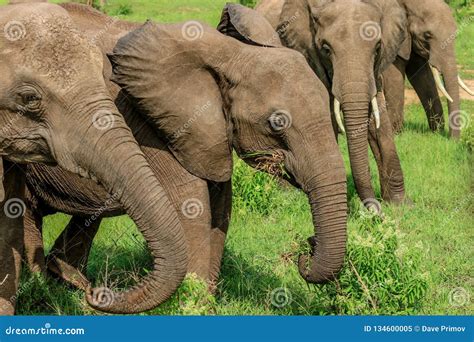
(417, 260)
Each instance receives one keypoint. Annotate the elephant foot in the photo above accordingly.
(67, 273)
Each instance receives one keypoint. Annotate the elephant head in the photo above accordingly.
(207, 93)
(348, 45)
(432, 32)
(55, 109)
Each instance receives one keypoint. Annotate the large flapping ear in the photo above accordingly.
(405, 48)
(393, 27)
(248, 26)
(164, 69)
(297, 30)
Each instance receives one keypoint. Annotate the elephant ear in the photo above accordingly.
(297, 30)
(164, 70)
(405, 48)
(393, 27)
(248, 26)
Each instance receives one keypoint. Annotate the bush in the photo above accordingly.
(253, 190)
(248, 3)
(380, 275)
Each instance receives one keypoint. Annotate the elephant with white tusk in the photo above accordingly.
(428, 60)
(348, 45)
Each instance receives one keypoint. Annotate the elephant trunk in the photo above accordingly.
(110, 153)
(356, 116)
(326, 189)
(450, 75)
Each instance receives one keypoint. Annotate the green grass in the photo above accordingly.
(408, 263)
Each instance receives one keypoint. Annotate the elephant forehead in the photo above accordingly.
(50, 47)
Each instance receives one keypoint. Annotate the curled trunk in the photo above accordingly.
(327, 194)
(114, 158)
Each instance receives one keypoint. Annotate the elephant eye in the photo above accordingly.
(326, 49)
(428, 35)
(31, 100)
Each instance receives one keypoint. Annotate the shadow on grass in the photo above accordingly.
(251, 285)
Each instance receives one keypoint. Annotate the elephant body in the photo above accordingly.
(190, 99)
(428, 55)
(53, 103)
(348, 45)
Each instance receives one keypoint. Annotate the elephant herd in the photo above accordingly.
(101, 117)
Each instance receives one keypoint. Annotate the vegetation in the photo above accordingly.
(416, 260)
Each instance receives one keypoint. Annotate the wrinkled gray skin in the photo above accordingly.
(52, 97)
(348, 44)
(208, 95)
(431, 41)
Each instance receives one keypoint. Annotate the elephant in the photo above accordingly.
(56, 110)
(348, 45)
(206, 93)
(428, 54)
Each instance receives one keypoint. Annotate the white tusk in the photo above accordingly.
(376, 112)
(464, 86)
(439, 83)
(337, 112)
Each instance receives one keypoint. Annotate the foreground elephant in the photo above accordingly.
(348, 45)
(428, 54)
(53, 104)
(206, 94)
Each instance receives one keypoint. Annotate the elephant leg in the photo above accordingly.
(11, 236)
(69, 256)
(221, 206)
(383, 147)
(190, 196)
(421, 78)
(34, 249)
(394, 90)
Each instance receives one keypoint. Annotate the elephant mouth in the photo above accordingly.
(271, 162)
